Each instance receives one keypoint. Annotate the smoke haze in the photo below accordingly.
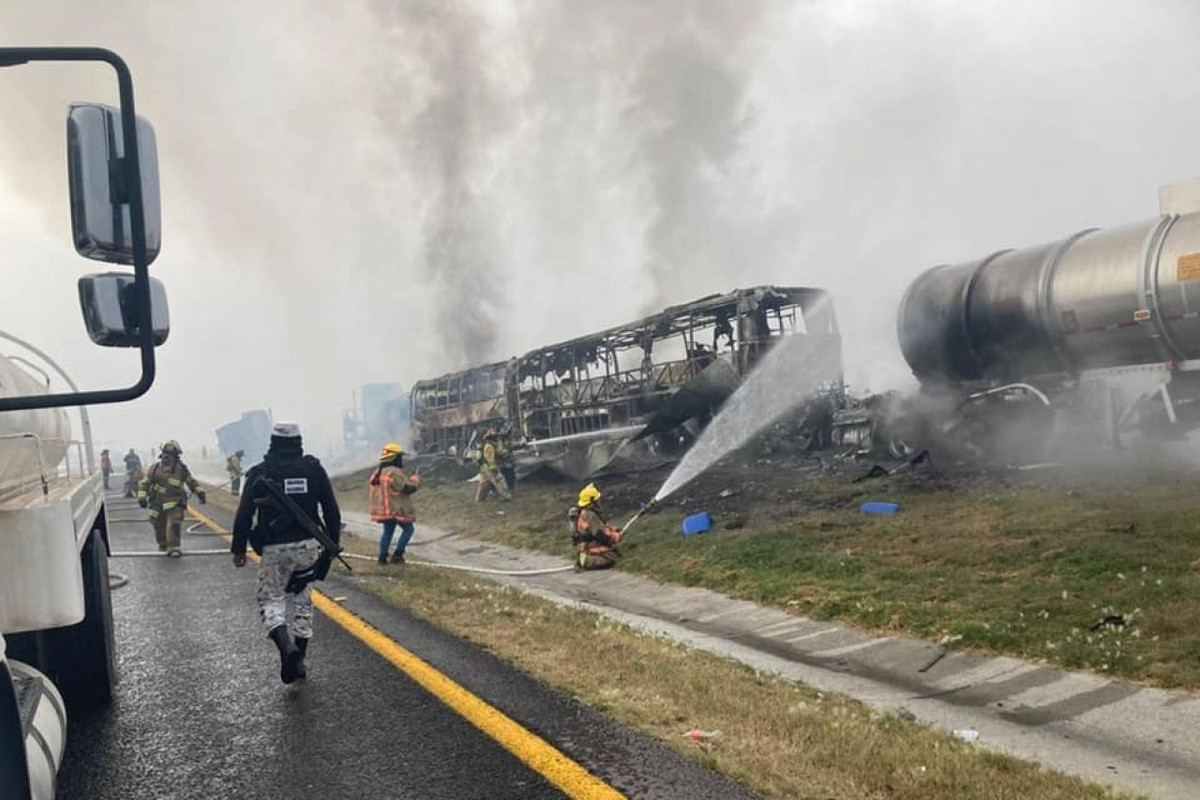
(386, 190)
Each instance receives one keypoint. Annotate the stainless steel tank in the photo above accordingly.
(1101, 298)
(31, 442)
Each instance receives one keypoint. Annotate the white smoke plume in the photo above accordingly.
(385, 190)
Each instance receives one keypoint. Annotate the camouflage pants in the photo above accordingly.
(275, 568)
(167, 525)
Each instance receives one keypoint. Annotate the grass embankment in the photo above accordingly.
(1022, 566)
(778, 739)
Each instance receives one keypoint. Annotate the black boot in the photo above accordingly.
(289, 656)
(302, 649)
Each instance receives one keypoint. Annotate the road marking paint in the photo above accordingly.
(567, 776)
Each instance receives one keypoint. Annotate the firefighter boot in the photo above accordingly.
(289, 655)
(302, 648)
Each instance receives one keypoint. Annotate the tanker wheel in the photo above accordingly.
(899, 447)
(85, 653)
(973, 439)
(14, 771)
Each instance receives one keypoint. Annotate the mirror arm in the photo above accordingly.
(131, 173)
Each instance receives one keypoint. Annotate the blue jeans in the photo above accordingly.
(389, 530)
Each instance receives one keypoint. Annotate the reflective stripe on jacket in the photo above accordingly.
(391, 494)
(167, 487)
(592, 534)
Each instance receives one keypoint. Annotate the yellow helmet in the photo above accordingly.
(390, 451)
(172, 446)
(589, 495)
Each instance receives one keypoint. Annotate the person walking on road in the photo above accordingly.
(594, 539)
(391, 490)
(164, 491)
(490, 478)
(133, 472)
(290, 558)
(233, 465)
(105, 467)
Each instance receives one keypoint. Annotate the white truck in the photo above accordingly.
(56, 629)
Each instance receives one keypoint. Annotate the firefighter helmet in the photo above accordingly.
(589, 495)
(390, 451)
(172, 446)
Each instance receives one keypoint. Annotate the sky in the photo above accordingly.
(388, 190)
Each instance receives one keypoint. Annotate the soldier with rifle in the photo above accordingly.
(278, 517)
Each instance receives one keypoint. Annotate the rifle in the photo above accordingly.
(286, 507)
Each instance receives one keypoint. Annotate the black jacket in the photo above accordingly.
(305, 482)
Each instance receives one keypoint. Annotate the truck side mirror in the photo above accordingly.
(110, 309)
(97, 173)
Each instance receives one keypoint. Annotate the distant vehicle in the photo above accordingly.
(56, 629)
(251, 434)
(631, 391)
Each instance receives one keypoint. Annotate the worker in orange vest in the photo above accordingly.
(391, 490)
(105, 466)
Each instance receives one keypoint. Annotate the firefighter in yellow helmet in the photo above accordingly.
(594, 539)
(491, 479)
(391, 489)
(164, 491)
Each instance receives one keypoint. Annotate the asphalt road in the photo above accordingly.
(200, 711)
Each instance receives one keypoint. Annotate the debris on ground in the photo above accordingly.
(876, 507)
(966, 734)
(1108, 623)
(697, 523)
(705, 739)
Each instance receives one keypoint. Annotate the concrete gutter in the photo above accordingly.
(1103, 730)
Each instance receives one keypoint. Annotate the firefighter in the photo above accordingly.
(233, 465)
(133, 472)
(490, 478)
(105, 467)
(594, 539)
(507, 460)
(287, 551)
(164, 491)
(391, 490)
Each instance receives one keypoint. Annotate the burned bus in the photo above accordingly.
(634, 389)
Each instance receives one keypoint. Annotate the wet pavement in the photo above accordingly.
(200, 711)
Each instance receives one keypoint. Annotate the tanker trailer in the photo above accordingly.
(56, 627)
(1097, 333)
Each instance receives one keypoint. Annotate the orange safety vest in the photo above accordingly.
(382, 495)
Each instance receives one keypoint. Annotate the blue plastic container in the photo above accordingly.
(697, 523)
(873, 507)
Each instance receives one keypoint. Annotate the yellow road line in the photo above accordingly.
(567, 776)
